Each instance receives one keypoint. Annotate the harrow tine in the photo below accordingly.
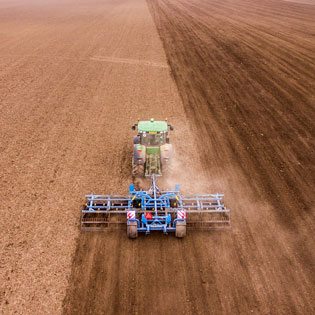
(101, 221)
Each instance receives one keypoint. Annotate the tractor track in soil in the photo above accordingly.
(236, 79)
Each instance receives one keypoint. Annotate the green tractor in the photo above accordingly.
(152, 151)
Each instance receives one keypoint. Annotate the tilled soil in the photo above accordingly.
(245, 71)
(75, 75)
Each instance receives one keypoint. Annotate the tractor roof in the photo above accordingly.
(151, 125)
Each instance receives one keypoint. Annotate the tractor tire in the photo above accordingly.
(136, 140)
(137, 169)
(132, 231)
(167, 170)
(180, 229)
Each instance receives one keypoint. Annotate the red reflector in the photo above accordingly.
(148, 216)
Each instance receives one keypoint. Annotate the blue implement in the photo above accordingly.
(155, 210)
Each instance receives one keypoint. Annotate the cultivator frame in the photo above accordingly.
(151, 210)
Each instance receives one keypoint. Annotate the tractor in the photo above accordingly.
(154, 209)
(152, 151)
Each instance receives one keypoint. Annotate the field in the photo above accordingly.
(236, 78)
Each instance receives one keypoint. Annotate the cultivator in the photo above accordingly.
(151, 210)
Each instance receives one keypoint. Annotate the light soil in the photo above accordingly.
(74, 78)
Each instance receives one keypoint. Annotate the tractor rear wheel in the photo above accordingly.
(167, 170)
(132, 231)
(137, 169)
(180, 229)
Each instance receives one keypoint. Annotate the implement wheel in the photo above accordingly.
(180, 229)
(132, 231)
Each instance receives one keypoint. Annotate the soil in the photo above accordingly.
(235, 78)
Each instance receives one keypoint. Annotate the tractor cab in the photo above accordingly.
(153, 139)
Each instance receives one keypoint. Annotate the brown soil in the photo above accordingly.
(74, 76)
